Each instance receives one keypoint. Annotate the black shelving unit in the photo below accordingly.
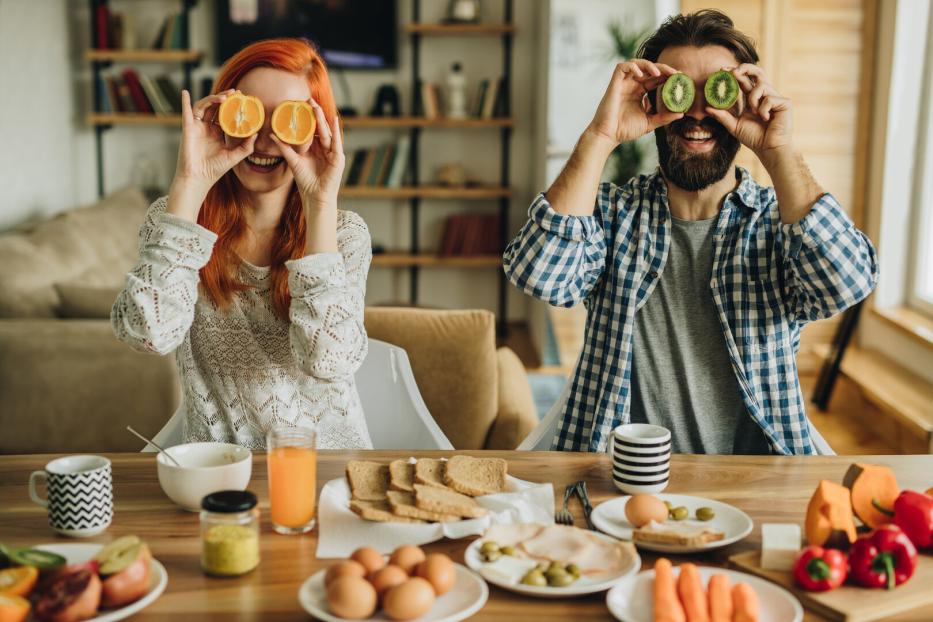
(99, 65)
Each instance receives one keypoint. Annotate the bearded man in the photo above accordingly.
(697, 280)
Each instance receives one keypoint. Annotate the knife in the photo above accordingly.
(580, 488)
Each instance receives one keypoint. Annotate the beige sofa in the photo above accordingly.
(67, 385)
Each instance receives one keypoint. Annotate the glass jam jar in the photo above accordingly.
(229, 533)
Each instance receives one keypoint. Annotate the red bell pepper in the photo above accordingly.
(883, 558)
(913, 513)
(819, 570)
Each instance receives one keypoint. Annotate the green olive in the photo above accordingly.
(542, 567)
(534, 577)
(680, 513)
(705, 514)
(491, 556)
(560, 579)
(487, 546)
(574, 570)
(669, 505)
(507, 550)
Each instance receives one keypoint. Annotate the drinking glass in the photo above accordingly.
(292, 464)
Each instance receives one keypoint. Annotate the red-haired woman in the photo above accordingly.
(249, 272)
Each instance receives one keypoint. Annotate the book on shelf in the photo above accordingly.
(172, 31)
(132, 92)
(170, 91)
(159, 105)
(356, 166)
(476, 106)
(140, 102)
(430, 103)
(383, 166)
(113, 30)
(103, 97)
(399, 166)
(470, 235)
(378, 159)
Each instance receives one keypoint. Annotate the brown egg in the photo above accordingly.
(351, 597)
(387, 578)
(439, 572)
(643, 508)
(407, 557)
(347, 567)
(410, 600)
(371, 559)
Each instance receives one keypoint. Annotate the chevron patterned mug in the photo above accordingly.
(80, 494)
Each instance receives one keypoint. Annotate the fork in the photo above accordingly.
(564, 517)
(580, 487)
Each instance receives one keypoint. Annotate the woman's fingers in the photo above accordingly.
(200, 109)
(291, 156)
(323, 129)
(244, 149)
(337, 134)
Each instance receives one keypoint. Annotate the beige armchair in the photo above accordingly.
(479, 396)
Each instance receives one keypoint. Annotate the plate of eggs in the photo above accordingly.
(406, 585)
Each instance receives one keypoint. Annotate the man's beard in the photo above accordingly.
(690, 170)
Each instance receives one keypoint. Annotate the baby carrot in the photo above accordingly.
(745, 602)
(692, 595)
(720, 598)
(666, 606)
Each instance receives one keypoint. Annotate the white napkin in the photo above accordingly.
(341, 531)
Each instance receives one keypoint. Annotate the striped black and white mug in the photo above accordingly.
(80, 494)
(641, 457)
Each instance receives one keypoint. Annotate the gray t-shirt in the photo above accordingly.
(682, 377)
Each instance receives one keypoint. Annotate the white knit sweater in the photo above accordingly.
(243, 369)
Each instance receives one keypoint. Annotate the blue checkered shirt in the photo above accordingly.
(768, 280)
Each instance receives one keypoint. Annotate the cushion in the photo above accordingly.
(453, 358)
(80, 301)
(517, 415)
(98, 241)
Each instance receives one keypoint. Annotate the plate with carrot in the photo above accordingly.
(688, 592)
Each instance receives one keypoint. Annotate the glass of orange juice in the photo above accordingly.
(292, 463)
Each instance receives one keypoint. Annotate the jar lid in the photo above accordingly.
(229, 501)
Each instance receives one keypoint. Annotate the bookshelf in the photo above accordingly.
(101, 59)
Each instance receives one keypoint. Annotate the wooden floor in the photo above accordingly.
(840, 424)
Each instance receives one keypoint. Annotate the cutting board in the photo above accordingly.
(849, 603)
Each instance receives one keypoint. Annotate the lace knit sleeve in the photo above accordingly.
(156, 307)
(328, 289)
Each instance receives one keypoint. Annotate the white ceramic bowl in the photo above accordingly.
(205, 468)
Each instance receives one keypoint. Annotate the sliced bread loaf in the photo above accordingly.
(430, 472)
(476, 476)
(369, 481)
(379, 511)
(401, 475)
(403, 504)
(446, 501)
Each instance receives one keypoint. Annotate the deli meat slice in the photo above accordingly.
(570, 545)
(511, 535)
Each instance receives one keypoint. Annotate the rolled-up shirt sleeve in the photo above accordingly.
(557, 258)
(829, 265)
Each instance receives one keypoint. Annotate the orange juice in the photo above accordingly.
(292, 485)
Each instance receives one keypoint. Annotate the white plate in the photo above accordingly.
(583, 585)
(79, 553)
(465, 598)
(632, 600)
(609, 517)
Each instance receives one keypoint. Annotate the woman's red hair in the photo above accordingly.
(222, 211)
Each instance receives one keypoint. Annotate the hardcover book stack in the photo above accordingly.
(133, 92)
(384, 166)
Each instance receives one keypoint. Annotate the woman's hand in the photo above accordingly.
(203, 156)
(765, 121)
(318, 164)
(623, 113)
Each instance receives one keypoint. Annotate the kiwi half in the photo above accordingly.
(678, 93)
(721, 90)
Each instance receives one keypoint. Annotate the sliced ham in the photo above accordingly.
(570, 545)
(511, 535)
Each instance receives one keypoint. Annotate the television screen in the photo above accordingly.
(352, 34)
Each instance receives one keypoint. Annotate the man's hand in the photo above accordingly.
(765, 118)
(623, 114)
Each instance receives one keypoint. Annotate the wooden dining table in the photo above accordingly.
(767, 488)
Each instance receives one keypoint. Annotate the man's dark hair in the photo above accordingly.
(705, 27)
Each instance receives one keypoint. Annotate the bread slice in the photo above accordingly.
(401, 475)
(369, 481)
(446, 501)
(379, 511)
(681, 534)
(476, 476)
(403, 504)
(430, 472)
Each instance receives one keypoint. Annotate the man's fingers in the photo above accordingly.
(771, 104)
(748, 69)
(663, 118)
(666, 69)
(726, 118)
(632, 69)
(754, 97)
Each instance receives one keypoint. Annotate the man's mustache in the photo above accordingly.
(686, 124)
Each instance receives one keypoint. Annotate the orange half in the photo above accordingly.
(241, 115)
(293, 122)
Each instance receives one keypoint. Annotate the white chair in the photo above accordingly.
(542, 437)
(395, 413)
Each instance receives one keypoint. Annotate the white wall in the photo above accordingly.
(37, 111)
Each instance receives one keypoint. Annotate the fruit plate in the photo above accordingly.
(582, 586)
(609, 517)
(465, 598)
(79, 553)
(631, 600)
